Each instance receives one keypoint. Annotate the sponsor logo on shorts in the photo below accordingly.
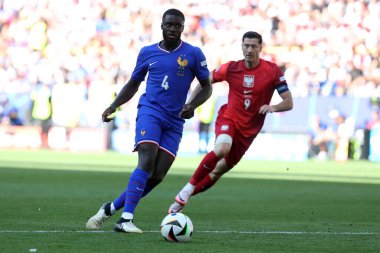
(224, 128)
(142, 132)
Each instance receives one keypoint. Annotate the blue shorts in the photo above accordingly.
(152, 129)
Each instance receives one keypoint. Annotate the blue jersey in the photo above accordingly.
(169, 79)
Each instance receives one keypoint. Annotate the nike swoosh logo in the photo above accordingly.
(181, 199)
(247, 91)
(139, 189)
(150, 64)
(207, 168)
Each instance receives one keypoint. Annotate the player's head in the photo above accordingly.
(251, 46)
(173, 22)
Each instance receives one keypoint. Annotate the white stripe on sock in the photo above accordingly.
(127, 216)
(113, 210)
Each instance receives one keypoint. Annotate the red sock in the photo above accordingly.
(204, 168)
(203, 185)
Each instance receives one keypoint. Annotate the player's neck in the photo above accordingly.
(251, 64)
(169, 46)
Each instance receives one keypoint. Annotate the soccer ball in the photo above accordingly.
(176, 227)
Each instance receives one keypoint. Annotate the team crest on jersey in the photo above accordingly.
(142, 132)
(248, 81)
(182, 62)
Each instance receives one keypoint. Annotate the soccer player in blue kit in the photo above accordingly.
(172, 65)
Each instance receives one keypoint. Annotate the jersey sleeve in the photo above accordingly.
(201, 69)
(280, 77)
(141, 67)
(220, 73)
(280, 82)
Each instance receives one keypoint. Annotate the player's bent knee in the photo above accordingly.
(222, 149)
(223, 145)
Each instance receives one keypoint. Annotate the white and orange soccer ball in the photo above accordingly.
(177, 227)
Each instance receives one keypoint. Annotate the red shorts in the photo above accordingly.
(240, 143)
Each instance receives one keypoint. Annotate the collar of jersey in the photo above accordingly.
(158, 45)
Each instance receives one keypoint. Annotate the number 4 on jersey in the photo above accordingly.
(165, 83)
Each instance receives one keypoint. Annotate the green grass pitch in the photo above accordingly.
(46, 198)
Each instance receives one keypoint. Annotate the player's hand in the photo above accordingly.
(266, 108)
(187, 112)
(106, 116)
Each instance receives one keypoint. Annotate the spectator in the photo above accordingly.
(320, 139)
(9, 113)
(14, 118)
(205, 114)
(42, 111)
(374, 121)
(343, 131)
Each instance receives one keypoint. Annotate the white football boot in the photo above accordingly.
(181, 199)
(184, 195)
(175, 207)
(127, 227)
(96, 221)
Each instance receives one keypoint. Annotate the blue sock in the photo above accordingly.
(136, 186)
(120, 201)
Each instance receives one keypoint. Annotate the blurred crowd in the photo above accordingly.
(76, 54)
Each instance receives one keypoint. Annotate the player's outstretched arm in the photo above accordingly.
(200, 94)
(285, 105)
(126, 93)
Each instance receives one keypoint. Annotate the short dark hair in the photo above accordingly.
(174, 12)
(252, 35)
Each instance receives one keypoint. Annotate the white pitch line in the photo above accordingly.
(292, 232)
(206, 231)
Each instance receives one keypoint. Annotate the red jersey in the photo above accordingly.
(249, 90)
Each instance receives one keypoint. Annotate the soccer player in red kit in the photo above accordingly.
(252, 82)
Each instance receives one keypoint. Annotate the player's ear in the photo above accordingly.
(261, 47)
